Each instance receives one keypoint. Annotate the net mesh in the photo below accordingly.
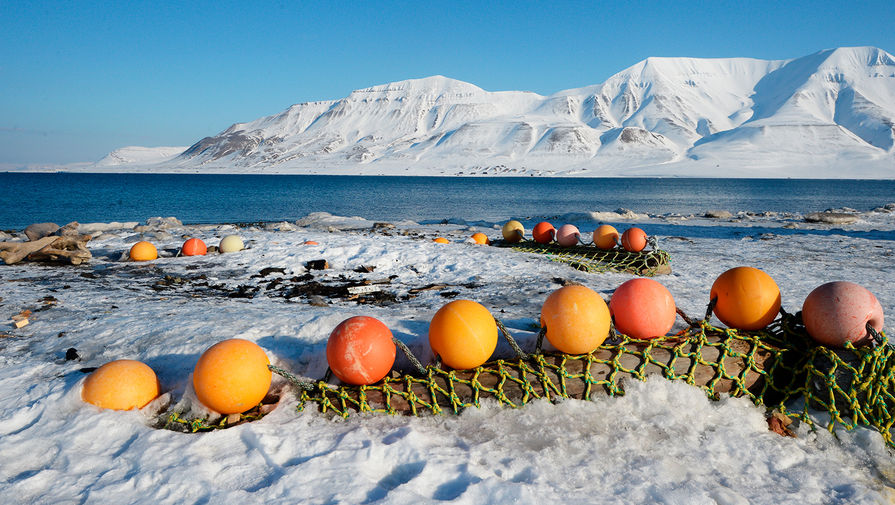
(591, 259)
(778, 368)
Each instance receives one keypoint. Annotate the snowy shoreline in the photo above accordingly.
(661, 443)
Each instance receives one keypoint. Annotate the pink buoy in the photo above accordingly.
(838, 312)
(567, 235)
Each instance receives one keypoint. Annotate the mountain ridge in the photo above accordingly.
(660, 116)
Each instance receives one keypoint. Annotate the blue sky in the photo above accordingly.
(79, 79)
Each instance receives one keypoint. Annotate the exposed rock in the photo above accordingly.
(38, 231)
(159, 223)
(282, 226)
(830, 218)
(718, 214)
(97, 228)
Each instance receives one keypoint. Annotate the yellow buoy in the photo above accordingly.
(576, 318)
(232, 376)
(143, 251)
(121, 385)
(463, 333)
(231, 243)
(513, 231)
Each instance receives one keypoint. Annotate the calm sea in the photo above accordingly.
(61, 198)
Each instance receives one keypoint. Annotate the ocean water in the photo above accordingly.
(27, 198)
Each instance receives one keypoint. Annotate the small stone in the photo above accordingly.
(71, 354)
(718, 214)
(38, 231)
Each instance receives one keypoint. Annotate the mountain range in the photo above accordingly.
(828, 114)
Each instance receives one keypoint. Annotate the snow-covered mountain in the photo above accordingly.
(136, 154)
(829, 114)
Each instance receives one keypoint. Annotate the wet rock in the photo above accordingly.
(283, 226)
(830, 218)
(71, 354)
(38, 231)
(718, 214)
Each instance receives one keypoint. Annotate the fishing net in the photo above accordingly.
(779, 368)
(589, 258)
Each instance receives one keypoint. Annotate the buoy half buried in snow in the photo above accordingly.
(441, 240)
(143, 251)
(634, 239)
(513, 231)
(232, 376)
(123, 384)
(576, 318)
(360, 350)
(642, 308)
(838, 312)
(463, 333)
(480, 238)
(567, 235)
(231, 243)
(748, 299)
(605, 237)
(194, 247)
(311, 242)
(543, 232)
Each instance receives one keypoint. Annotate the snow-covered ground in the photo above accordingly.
(661, 443)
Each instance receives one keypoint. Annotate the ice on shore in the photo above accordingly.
(661, 443)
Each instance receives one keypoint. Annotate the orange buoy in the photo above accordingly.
(194, 247)
(543, 232)
(567, 235)
(838, 312)
(143, 251)
(310, 242)
(121, 385)
(605, 237)
(441, 240)
(634, 239)
(463, 333)
(480, 238)
(748, 299)
(232, 376)
(576, 318)
(642, 308)
(513, 231)
(360, 350)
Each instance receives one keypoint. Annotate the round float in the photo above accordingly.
(441, 240)
(576, 318)
(567, 235)
(463, 333)
(748, 299)
(143, 251)
(838, 312)
(605, 237)
(231, 243)
(360, 350)
(634, 239)
(121, 385)
(642, 308)
(543, 232)
(513, 231)
(193, 247)
(232, 376)
(480, 238)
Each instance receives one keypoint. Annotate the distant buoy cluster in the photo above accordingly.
(146, 251)
(605, 237)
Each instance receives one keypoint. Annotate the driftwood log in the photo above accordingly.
(67, 248)
(718, 364)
